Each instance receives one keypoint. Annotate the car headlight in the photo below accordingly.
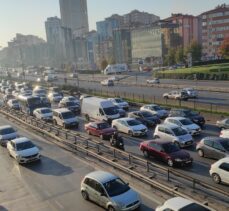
(178, 160)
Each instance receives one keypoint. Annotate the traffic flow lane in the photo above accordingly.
(51, 184)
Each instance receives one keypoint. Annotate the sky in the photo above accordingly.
(28, 16)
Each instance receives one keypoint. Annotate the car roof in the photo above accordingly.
(168, 125)
(44, 108)
(225, 159)
(177, 118)
(60, 110)
(5, 126)
(101, 176)
(177, 203)
(20, 140)
(214, 138)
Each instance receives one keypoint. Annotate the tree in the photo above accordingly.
(196, 50)
(224, 48)
(179, 56)
(104, 64)
(170, 57)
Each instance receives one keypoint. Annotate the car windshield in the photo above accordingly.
(41, 91)
(225, 144)
(116, 187)
(71, 99)
(104, 125)
(24, 145)
(6, 131)
(133, 122)
(179, 131)
(14, 102)
(46, 111)
(194, 206)
(119, 100)
(156, 108)
(147, 114)
(190, 113)
(68, 115)
(56, 95)
(170, 147)
(70, 103)
(186, 122)
(34, 101)
(110, 111)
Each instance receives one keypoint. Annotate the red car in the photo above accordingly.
(101, 129)
(166, 151)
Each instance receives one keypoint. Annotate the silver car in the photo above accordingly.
(223, 124)
(109, 191)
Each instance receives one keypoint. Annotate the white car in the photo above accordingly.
(155, 109)
(120, 103)
(70, 99)
(192, 93)
(173, 133)
(184, 123)
(55, 97)
(14, 104)
(7, 133)
(107, 82)
(130, 126)
(153, 81)
(220, 171)
(43, 113)
(224, 133)
(23, 150)
(179, 203)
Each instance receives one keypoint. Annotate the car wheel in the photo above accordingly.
(64, 125)
(170, 162)
(85, 195)
(216, 178)
(54, 121)
(130, 133)
(101, 136)
(88, 132)
(166, 97)
(146, 154)
(87, 117)
(201, 152)
(110, 208)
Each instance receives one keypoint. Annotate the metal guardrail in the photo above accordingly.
(133, 165)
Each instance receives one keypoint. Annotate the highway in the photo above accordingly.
(51, 184)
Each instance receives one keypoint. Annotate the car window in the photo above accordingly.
(167, 131)
(90, 182)
(208, 142)
(224, 166)
(99, 188)
(227, 121)
(155, 146)
(217, 145)
(161, 129)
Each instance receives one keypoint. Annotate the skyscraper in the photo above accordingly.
(74, 16)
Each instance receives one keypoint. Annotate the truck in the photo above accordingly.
(99, 109)
(115, 69)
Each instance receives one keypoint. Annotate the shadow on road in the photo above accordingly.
(3, 208)
(48, 166)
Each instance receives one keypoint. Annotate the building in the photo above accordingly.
(154, 41)
(74, 16)
(122, 45)
(136, 18)
(189, 27)
(60, 42)
(215, 27)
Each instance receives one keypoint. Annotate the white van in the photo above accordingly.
(99, 109)
(65, 118)
(115, 69)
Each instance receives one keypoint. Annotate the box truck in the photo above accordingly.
(115, 69)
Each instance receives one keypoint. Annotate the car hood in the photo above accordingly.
(186, 137)
(191, 127)
(47, 115)
(122, 104)
(138, 127)
(28, 152)
(180, 154)
(126, 198)
(8, 136)
(74, 119)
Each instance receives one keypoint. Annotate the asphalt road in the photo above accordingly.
(53, 184)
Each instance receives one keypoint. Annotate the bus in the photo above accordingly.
(29, 103)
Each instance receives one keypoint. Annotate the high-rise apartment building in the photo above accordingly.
(74, 16)
(215, 28)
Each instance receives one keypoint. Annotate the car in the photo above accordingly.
(120, 103)
(185, 123)
(55, 97)
(213, 147)
(3, 88)
(40, 80)
(6, 98)
(130, 126)
(109, 191)
(70, 98)
(8, 91)
(224, 133)
(121, 111)
(7, 133)
(145, 117)
(223, 124)
(26, 90)
(14, 104)
(192, 93)
(153, 81)
(56, 89)
(107, 82)
(188, 113)
(100, 129)
(43, 114)
(74, 75)
(41, 92)
(174, 133)
(182, 204)
(23, 150)
(64, 117)
(165, 151)
(71, 105)
(15, 93)
(45, 101)
(219, 171)
(155, 109)
(177, 95)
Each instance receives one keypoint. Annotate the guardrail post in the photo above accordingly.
(98, 148)
(194, 184)
(168, 175)
(129, 158)
(114, 153)
(66, 135)
(147, 165)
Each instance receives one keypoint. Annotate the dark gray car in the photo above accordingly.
(213, 147)
(223, 124)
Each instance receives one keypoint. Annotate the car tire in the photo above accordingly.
(88, 132)
(64, 125)
(216, 178)
(200, 152)
(54, 121)
(101, 136)
(146, 154)
(110, 208)
(85, 195)
(156, 136)
(170, 163)
(166, 97)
